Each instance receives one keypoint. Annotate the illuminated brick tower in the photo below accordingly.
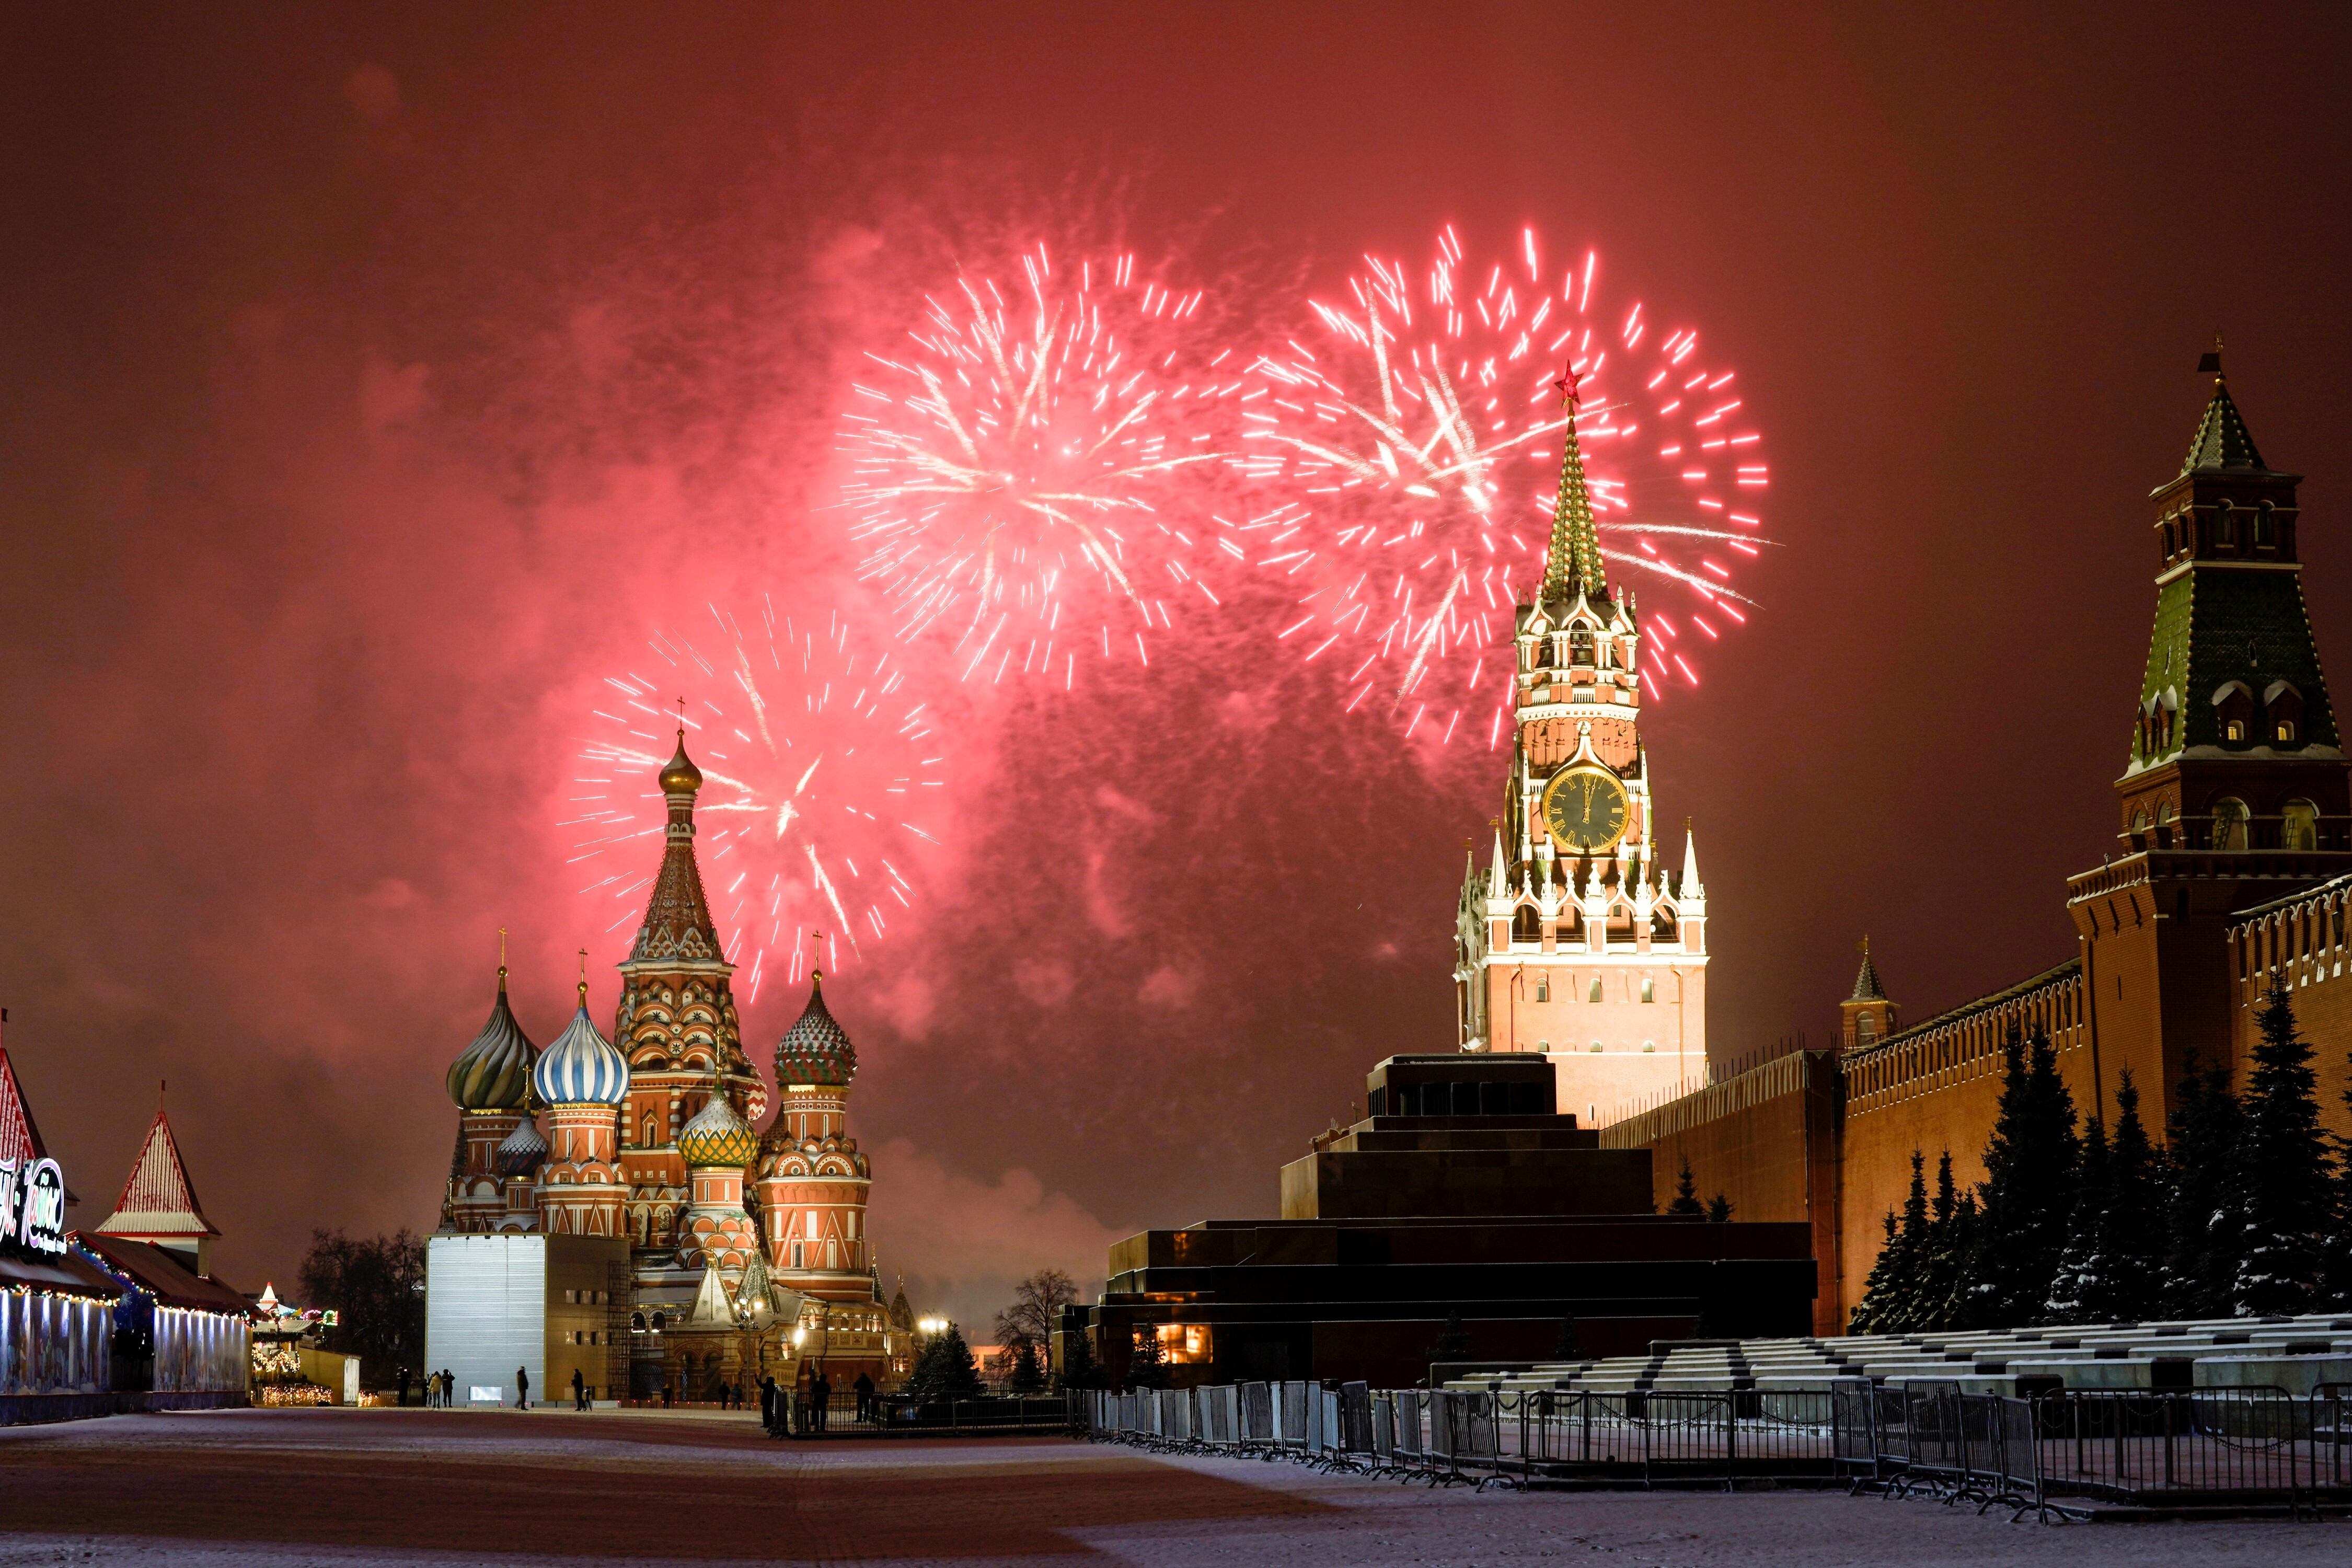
(582, 1079)
(676, 1025)
(2234, 792)
(813, 1180)
(1574, 940)
(490, 1082)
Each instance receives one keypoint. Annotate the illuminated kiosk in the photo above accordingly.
(1462, 1203)
(547, 1304)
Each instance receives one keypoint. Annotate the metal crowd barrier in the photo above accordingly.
(1927, 1437)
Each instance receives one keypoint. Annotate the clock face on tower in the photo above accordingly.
(1585, 809)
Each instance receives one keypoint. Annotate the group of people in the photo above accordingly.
(437, 1389)
(782, 1414)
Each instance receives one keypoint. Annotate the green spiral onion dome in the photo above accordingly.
(494, 1072)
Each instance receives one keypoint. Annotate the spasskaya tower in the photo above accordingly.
(1573, 941)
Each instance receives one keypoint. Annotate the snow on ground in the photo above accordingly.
(356, 1489)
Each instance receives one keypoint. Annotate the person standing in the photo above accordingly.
(522, 1388)
(579, 1390)
(404, 1388)
(448, 1388)
(865, 1386)
(820, 1396)
(768, 1403)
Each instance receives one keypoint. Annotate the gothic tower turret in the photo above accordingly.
(1575, 941)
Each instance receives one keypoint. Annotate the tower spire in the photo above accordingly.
(1575, 555)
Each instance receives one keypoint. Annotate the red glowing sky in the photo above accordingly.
(377, 381)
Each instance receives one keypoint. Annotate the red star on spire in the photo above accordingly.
(1567, 386)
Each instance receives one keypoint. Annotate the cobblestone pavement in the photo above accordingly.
(230, 1490)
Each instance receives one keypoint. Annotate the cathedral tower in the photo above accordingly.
(582, 1079)
(1574, 940)
(490, 1082)
(813, 1180)
(677, 1025)
(2234, 789)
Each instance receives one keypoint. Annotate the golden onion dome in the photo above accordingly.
(718, 1136)
(679, 775)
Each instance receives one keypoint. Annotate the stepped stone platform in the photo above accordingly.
(1463, 1204)
(2297, 1355)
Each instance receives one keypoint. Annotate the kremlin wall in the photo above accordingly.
(2230, 871)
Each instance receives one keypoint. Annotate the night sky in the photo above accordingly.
(373, 382)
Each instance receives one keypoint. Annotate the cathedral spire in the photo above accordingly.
(678, 917)
(1574, 559)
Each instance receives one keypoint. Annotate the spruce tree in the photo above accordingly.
(2340, 1251)
(1568, 1347)
(2131, 1235)
(1966, 1246)
(1879, 1289)
(2082, 1277)
(1718, 1209)
(1896, 1305)
(1078, 1370)
(1147, 1362)
(2028, 1194)
(945, 1370)
(1934, 1268)
(1453, 1340)
(1027, 1378)
(1686, 1194)
(2203, 1234)
(2285, 1179)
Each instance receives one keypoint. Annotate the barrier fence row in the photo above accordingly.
(1930, 1439)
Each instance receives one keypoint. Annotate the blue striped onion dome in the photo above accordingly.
(580, 1068)
(815, 1050)
(717, 1136)
(524, 1151)
(494, 1072)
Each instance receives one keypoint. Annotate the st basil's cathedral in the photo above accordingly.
(652, 1138)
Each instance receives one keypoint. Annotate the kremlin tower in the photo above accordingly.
(1575, 941)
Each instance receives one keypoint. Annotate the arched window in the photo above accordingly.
(2299, 825)
(650, 1141)
(1649, 989)
(2140, 822)
(1543, 989)
(2230, 819)
(1865, 1028)
(2281, 713)
(1595, 994)
(1649, 1045)
(1580, 645)
(2263, 534)
(1596, 1048)
(2171, 543)
(2224, 531)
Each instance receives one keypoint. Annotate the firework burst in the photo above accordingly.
(817, 779)
(1422, 432)
(1032, 475)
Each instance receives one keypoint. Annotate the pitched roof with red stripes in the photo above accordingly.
(19, 1140)
(158, 1200)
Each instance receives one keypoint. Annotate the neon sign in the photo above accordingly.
(33, 1205)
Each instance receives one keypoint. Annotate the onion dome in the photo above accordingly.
(494, 1072)
(580, 1068)
(815, 1050)
(680, 776)
(718, 1136)
(524, 1151)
